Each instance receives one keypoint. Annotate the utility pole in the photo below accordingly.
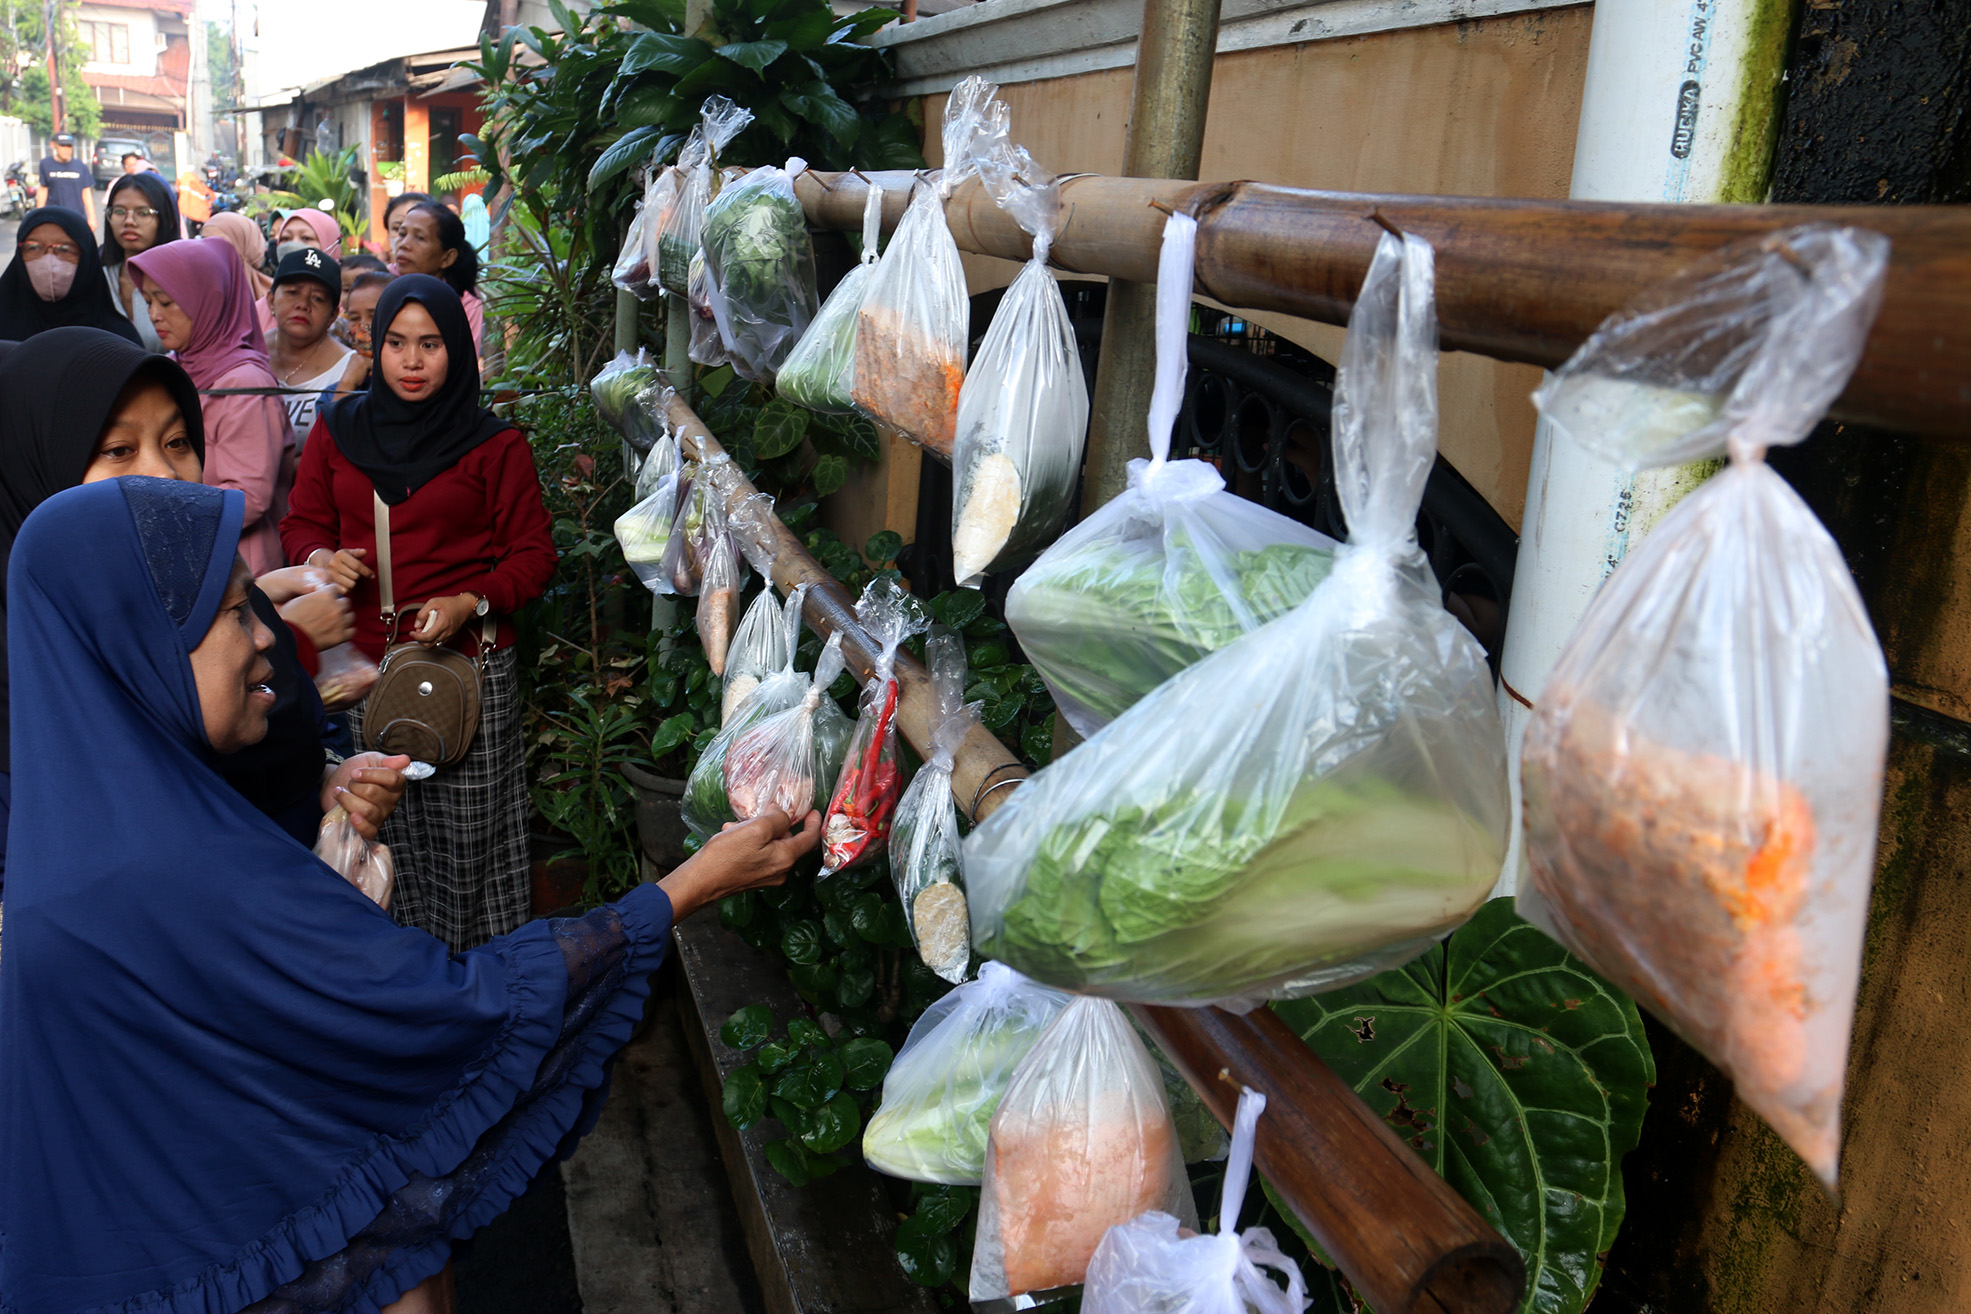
(54, 69)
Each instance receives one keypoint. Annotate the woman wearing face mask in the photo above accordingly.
(203, 313)
(300, 229)
(139, 215)
(431, 240)
(245, 237)
(229, 1078)
(470, 542)
(56, 279)
(302, 354)
(134, 413)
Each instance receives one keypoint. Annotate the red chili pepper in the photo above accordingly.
(859, 814)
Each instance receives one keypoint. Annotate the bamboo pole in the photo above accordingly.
(1516, 280)
(1402, 1236)
(1174, 56)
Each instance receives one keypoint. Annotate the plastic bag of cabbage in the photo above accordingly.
(940, 1094)
(644, 531)
(1172, 570)
(759, 269)
(628, 396)
(1023, 409)
(1313, 803)
(698, 179)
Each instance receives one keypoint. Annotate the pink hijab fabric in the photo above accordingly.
(327, 231)
(208, 281)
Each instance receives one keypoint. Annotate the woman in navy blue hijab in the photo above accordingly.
(227, 1077)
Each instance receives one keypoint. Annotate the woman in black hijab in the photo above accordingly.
(55, 279)
(470, 544)
(78, 405)
(140, 214)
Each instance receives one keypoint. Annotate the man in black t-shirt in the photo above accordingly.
(66, 181)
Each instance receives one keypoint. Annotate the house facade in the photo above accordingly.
(140, 57)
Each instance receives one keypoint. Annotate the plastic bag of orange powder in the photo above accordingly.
(1703, 771)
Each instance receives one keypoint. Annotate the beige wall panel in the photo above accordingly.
(1482, 108)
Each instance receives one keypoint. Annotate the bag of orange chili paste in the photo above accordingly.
(1703, 771)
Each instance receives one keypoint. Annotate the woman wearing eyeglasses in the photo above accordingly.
(55, 279)
(140, 214)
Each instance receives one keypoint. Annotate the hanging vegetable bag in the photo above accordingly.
(1082, 1140)
(1023, 409)
(857, 822)
(1313, 803)
(1703, 770)
(644, 531)
(926, 851)
(820, 370)
(786, 760)
(719, 122)
(706, 807)
(759, 269)
(941, 1092)
(759, 646)
(915, 319)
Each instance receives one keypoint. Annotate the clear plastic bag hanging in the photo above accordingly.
(787, 760)
(706, 807)
(941, 1092)
(644, 531)
(1023, 409)
(628, 396)
(915, 319)
(1082, 1140)
(820, 372)
(1313, 803)
(719, 588)
(759, 646)
(856, 825)
(926, 849)
(698, 177)
(1149, 1263)
(1168, 572)
(1703, 771)
(759, 269)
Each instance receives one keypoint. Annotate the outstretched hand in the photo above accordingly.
(745, 855)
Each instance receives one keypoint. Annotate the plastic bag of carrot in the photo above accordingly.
(1703, 771)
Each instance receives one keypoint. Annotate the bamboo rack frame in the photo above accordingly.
(1516, 280)
(1407, 1241)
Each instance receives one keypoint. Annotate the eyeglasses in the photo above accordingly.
(125, 212)
(61, 250)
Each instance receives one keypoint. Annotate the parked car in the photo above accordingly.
(107, 161)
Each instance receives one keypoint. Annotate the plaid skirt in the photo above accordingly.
(460, 838)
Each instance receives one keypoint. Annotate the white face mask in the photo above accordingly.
(286, 249)
(51, 276)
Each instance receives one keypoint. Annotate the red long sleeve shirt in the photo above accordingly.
(479, 527)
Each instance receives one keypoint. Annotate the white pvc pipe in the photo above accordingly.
(1680, 104)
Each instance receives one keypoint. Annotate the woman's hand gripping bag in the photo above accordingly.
(787, 760)
(1023, 409)
(820, 372)
(915, 318)
(1703, 770)
(706, 807)
(1082, 1140)
(759, 268)
(946, 1083)
(857, 824)
(926, 850)
(365, 864)
(1173, 569)
(1319, 800)
(1149, 1263)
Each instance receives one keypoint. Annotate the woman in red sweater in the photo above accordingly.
(469, 539)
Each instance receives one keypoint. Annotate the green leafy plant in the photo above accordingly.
(817, 1086)
(1516, 1073)
(329, 178)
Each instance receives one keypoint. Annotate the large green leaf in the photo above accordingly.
(1516, 1072)
(755, 55)
(665, 53)
(628, 149)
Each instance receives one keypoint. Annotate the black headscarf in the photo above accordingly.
(88, 305)
(157, 194)
(403, 445)
(57, 391)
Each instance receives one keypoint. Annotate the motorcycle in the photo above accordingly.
(15, 199)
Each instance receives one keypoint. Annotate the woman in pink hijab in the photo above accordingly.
(309, 227)
(202, 310)
(245, 237)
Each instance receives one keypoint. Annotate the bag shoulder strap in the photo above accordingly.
(387, 593)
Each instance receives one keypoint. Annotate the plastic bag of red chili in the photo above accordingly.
(871, 779)
(1703, 771)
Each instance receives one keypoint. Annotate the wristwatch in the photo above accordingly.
(483, 607)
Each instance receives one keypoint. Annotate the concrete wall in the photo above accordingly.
(1485, 107)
